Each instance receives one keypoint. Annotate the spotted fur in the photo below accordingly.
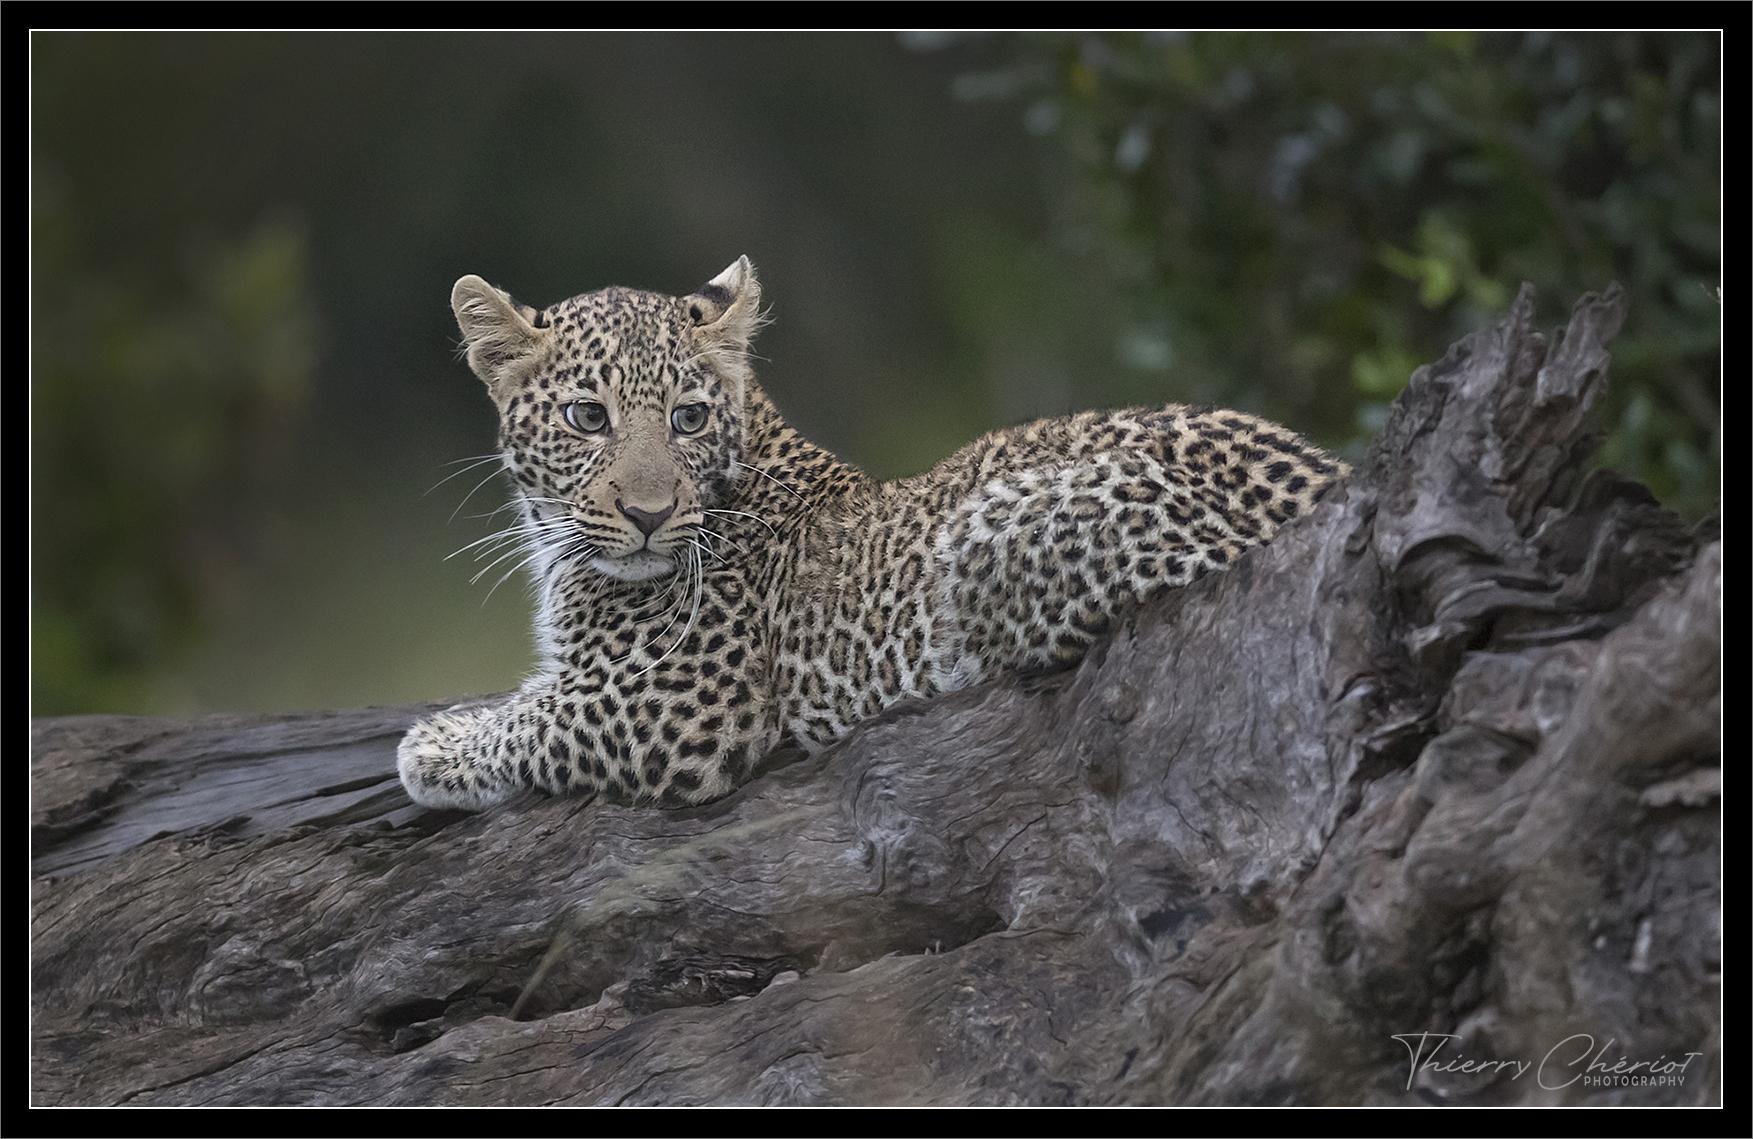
(785, 595)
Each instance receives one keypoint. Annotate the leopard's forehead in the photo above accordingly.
(634, 343)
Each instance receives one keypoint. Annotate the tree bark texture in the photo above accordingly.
(1443, 758)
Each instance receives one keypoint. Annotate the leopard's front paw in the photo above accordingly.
(437, 769)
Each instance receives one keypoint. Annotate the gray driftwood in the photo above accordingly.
(1444, 758)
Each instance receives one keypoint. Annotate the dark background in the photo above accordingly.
(243, 384)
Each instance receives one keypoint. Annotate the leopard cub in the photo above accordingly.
(711, 583)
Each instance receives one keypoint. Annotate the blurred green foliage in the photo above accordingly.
(1300, 220)
(161, 403)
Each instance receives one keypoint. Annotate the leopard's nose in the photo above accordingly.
(647, 521)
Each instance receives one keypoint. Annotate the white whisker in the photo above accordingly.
(534, 553)
(675, 606)
(528, 542)
(472, 458)
(711, 553)
(491, 475)
(772, 480)
(478, 461)
(699, 591)
(721, 538)
(744, 514)
(509, 533)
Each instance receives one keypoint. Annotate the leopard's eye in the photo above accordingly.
(689, 418)
(587, 417)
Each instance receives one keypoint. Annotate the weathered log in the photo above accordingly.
(1441, 759)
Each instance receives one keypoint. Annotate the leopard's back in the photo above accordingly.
(1018, 551)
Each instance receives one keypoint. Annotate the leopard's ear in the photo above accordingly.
(726, 310)
(498, 333)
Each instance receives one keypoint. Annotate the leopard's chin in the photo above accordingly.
(640, 565)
